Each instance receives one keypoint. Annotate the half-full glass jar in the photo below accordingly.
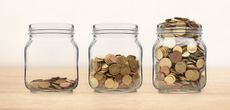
(51, 58)
(179, 57)
(115, 58)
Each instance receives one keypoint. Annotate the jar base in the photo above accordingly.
(115, 91)
(179, 91)
(50, 91)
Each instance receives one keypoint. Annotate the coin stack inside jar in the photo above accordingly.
(115, 72)
(52, 84)
(180, 60)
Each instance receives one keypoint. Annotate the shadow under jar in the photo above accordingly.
(51, 58)
(179, 57)
(115, 58)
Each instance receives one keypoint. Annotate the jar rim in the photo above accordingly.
(115, 28)
(51, 28)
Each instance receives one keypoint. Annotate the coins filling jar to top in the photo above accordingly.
(115, 58)
(179, 56)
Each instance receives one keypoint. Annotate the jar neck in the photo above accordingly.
(115, 30)
(182, 32)
(51, 30)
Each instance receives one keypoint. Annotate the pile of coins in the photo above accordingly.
(52, 84)
(180, 63)
(115, 72)
(179, 27)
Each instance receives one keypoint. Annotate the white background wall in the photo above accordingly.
(16, 15)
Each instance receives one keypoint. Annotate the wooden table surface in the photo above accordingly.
(14, 95)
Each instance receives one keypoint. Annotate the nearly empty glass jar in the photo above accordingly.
(51, 58)
(179, 57)
(115, 58)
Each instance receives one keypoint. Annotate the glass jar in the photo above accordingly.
(179, 57)
(51, 58)
(115, 58)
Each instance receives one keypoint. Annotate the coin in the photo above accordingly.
(94, 82)
(165, 62)
(34, 84)
(170, 79)
(109, 83)
(192, 48)
(125, 70)
(180, 67)
(200, 63)
(159, 54)
(99, 76)
(127, 80)
(65, 85)
(178, 48)
(175, 57)
(192, 75)
(134, 65)
(105, 67)
(186, 54)
(44, 84)
(109, 59)
(160, 76)
(115, 85)
(114, 69)
(165, 70)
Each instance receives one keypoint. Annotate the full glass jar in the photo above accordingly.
(115, 58)
(179, 57)
(51, 58)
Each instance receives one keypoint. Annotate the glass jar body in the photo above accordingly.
(51, 62)
(179, 64)
(115, 63)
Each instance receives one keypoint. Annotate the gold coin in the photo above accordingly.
(200, 63)
(97, 66)
(108, 58)
(105, 67)
(186, 54)
(127, 80)
(115, 85)
(44, 84)
(121, 60)
(109, 83)
(65, 85)
(165, 62)
(178, 48)
(159, 54)
(34, 84)
(160, 76)
(170, 79)
(125, 70)
(192, 75)
(94, 82)
(157, 67)
(164, 51)
(180, 67)
(192, 48)
(114, 69)
(99, 76)
(175, 57)
(59, 81)
(134, 65)
(165, 70)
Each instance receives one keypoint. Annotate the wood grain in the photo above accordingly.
(14, 95)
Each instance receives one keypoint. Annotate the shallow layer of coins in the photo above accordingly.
(115, 72)
(179, 27)
(55, 83)
(180, 66)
